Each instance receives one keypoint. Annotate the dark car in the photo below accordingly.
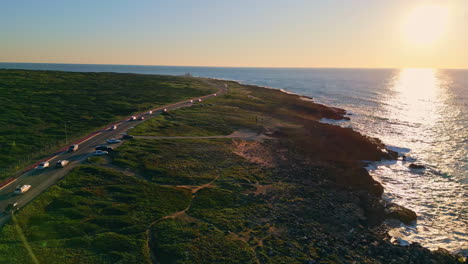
(104, 148)
(12, 207)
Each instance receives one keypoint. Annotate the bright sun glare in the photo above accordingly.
(426, 24)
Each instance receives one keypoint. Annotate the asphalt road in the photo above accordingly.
(40, 180)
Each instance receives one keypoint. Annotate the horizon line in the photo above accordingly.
(264, 67)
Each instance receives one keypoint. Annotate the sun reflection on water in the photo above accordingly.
(419, 107)
(418, 103)
(416, 92)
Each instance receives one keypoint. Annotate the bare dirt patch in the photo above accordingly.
(242, 134)
(255, 152)
(261, 189)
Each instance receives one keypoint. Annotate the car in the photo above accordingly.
(141, 118)
(199, 100)
(100, 153)
(113, 141)
(149, 112)
(11, 208)
(165, 110)
(132, 118)
(104, 148)
(61, 163)
(127, 136)
(22, 189)
(114, 127)
(191, 101)
(215, 94)
(73, 148)
(43, 165)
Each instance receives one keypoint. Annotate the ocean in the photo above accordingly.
(421, 113)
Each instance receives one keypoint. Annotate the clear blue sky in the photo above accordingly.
(270, 33)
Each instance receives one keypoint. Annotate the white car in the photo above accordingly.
(132, 118)
(113, 141)
(43, 165)
(149, 112)
(165, 110)
(141, 118)
(62, 163)
(22, 189)
(100, 153)
(73, 148)
(199, 100)
(191, 101)
(215, 94)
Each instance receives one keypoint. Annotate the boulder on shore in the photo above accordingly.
(416, 166)
(395, 211)
(377, 210)
(390, 154)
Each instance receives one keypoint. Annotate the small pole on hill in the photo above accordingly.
(66, 133)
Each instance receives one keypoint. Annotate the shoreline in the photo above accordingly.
(409, 217)
(396, 152)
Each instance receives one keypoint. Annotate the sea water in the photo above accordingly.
(421, 113)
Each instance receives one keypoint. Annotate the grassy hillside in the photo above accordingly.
(287, 199)
(95, 215)
(38, 106)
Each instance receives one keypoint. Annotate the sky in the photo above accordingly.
(241, 33)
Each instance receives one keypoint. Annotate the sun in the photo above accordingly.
(426, 24)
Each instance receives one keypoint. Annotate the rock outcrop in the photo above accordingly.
(395, 211)
(416, 166)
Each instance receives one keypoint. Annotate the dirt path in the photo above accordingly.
(180, 214)
(241, 134)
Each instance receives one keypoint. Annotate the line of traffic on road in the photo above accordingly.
(44, 176)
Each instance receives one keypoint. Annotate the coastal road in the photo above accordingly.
(41, 180)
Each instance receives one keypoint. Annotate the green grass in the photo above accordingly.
(183, 161)
(228, 210)
(99, 215)
(94, 214)
(220, 115)
(199, 120)
(197, 242)
(37, 105)
(97, 160)
(217, 211)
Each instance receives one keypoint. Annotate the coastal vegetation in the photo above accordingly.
(43, 110)
(94, 215)
(293, 193)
